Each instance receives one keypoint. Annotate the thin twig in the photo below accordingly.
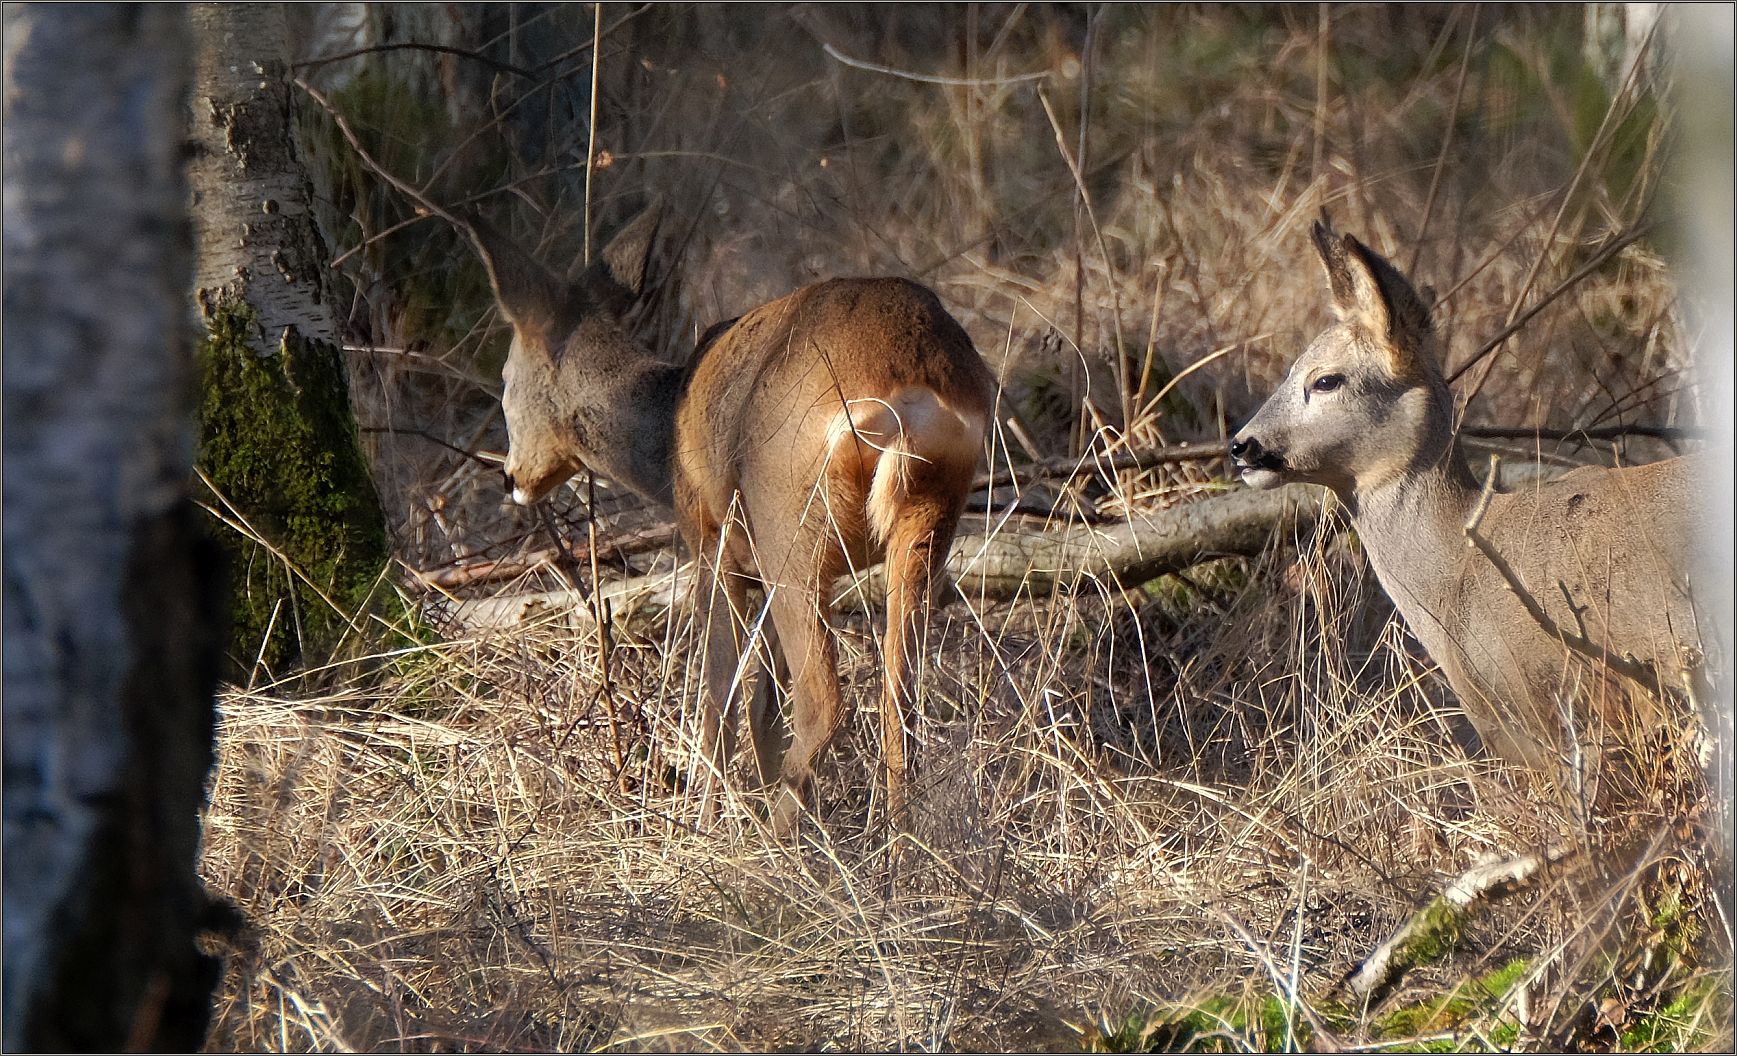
(1447, 142)
(564, 560)
(1201, 362)
(605, 693)
(443, 49)
(1600, 141)
(1085, 200)
(930, 78)
(403, 187)
(1324, 14)
(1067, 466)
(613, 26)
(1673, 433)
(617, 545)
(431, 438)
(591, 138)
(1014, 220)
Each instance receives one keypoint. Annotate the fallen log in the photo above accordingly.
(1118, 541)
(475, 572)
(480, 571)
(1132, 551)
(995, 562)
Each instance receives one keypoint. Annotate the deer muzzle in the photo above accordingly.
(1260, 466)
(522, 495)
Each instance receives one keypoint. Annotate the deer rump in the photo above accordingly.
(828, 413)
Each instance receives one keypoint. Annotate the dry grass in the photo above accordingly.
(1204, 793)
(450, 853)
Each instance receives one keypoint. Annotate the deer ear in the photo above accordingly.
(529, 295)
(1371, 294)
(623, 264)
(1406, 312)
(1357, 297)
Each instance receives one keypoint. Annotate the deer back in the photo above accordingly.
(792, 405)
(1579, 582)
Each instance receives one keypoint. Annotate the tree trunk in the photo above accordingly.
(111, 601)
(278, 440)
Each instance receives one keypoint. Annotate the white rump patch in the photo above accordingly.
(913, 425)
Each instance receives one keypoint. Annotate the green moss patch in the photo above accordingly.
(1253, 1023)
(306, 536)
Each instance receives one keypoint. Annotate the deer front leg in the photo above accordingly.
(765, 717)
(728, 667)
(717, 668)
(748, 666)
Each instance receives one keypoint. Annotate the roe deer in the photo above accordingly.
(822, 432)
(1528, 598)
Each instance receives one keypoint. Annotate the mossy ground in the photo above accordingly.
(1684, 1011)
(1266, 1022)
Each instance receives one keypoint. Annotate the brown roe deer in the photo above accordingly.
(817, 434)
(1558, 597)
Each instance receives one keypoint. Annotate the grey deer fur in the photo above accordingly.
(822, 432)
(1558, 586)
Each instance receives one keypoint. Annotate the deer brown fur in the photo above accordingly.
(1559, 610)
(820, 433)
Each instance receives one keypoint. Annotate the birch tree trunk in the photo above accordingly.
(278, 440)
(110, 600)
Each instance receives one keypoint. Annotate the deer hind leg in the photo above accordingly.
(810, 558)
(917, 547)
(765, 717)
(924, 453)
(719, 592)
(746, 665)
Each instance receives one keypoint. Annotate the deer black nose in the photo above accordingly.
(1249, 453)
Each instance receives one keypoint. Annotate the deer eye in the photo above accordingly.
(1327, 383)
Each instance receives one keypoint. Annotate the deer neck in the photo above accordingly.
(1413, 528)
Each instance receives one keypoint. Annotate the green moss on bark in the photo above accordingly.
(278, 440)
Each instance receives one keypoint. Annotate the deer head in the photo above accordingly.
(1365, 403)
(577, 389)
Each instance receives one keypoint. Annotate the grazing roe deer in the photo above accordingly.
(820, 433)
(1556, 585)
